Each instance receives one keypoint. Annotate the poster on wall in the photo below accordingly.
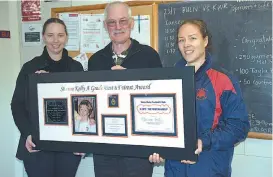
(31, 34)
(4, 34)
(94, 37)
(91, 33)
(31, 10)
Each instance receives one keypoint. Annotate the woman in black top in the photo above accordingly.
(53, 59)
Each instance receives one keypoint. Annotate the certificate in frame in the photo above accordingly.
(154, 114)
(114, 125)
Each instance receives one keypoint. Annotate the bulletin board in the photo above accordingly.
(138, 8)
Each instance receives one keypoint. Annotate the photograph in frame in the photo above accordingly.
(84, 114)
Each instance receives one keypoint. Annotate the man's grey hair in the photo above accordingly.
(109, 5)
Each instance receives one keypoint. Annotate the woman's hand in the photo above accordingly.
(117, 67)
(155, 158)
(30, 145)
(41, 71)
(197, 151)
(79, 153)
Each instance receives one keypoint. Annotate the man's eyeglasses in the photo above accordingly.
(113, 23)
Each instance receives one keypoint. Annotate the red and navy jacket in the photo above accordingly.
(222, 121)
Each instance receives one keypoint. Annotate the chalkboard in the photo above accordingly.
(241, 41)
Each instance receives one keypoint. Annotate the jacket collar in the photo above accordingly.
(202, 70)
(204, 67)
(46, 59)
(134, 47)
(46, 56)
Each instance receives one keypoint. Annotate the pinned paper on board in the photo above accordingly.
(93, 35)
(141, 30)
(83, 59)
(72, 23)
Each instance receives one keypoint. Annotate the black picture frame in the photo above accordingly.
(186, 75)
(55, 110)
(113, 101)
(120, 116)
(76, 101)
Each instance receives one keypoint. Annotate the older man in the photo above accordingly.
(122, 53)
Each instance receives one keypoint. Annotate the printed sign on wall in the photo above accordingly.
(4, 34)
(31, 10)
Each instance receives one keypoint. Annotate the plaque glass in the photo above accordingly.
(55, 111)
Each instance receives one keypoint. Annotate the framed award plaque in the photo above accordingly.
(132, 112)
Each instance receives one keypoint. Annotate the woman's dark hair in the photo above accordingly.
(202, 28)
(54, 20)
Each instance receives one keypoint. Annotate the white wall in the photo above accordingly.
(9, 68)
(253, 158)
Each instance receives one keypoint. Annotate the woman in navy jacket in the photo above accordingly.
(222, 119)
